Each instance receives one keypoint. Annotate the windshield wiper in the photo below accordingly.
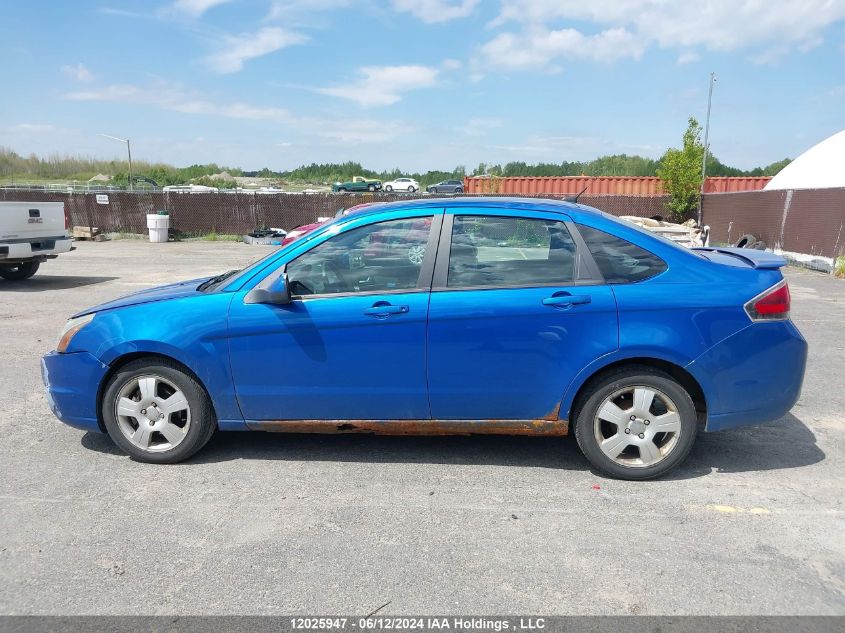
(218, 279)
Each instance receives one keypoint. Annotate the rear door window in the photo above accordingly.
(491, 251)
(618, 260)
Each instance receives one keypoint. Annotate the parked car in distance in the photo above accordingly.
(31, 233)
(513, 316)
(447, 186)
(402, 184)
(358, 183)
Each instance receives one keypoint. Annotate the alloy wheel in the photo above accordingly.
(637, 426)
(152, 413)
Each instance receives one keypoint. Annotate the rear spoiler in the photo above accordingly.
(755, 258)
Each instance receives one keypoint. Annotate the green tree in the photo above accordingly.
(680, 170)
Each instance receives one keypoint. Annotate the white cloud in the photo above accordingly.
(236, 50)
(33, 127)
(299, 11)
(174, 98)
(773, 27)
(480, 126)
(434, 11)
(195, 8)
(383, 85)
(451, 64)
(688, 57)
(538, 48)
(78, 72)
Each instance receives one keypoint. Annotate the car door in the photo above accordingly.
(351, 343)
(517, 309)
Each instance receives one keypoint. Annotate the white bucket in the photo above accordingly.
(158, 226)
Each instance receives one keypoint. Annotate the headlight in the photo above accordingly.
(71, 328)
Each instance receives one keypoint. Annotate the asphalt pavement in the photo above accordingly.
(258, 523)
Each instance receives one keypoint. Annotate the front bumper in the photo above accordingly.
(72, 382)
(753, 376)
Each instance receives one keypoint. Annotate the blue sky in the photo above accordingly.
(418, 84)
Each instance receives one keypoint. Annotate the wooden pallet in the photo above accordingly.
(87, 233)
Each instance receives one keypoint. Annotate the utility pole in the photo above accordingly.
(128, 152)
(706, 146)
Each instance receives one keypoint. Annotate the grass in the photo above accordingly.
(220, 237)
(839, 268)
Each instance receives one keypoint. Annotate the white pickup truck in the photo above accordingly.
(30, 233)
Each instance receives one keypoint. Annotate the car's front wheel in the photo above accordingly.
(411, 189)
(636, 423)
(389, 188)
(371, 188)
(157, 412)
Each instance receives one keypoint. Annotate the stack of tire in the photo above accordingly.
(750, 241)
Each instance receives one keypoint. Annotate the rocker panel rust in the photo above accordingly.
(548, 425)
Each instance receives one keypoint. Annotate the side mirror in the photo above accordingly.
(276, 293)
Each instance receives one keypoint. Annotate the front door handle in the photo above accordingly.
(564, 300)
(383, 309)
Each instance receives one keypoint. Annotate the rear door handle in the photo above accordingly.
(565, 300)
(383, 309)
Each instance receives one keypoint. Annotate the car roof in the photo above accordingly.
(506, 202)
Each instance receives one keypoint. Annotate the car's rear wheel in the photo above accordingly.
(157, 412)
(18, 272)
(635, 423)
(389, 188)
(411, 189)
(459, 190)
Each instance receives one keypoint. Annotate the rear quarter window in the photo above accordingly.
(620, 261)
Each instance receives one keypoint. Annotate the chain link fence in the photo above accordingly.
(194, 214)
(810, 221)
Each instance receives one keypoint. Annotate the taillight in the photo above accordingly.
(770, 305)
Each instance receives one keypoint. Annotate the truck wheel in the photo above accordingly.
(635, 423)
(157, 412)
(371, 188)
(19, 272)
(342, 189)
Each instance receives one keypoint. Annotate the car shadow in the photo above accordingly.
(787, 443)
(40, 283)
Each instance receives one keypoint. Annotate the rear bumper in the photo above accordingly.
(753, 376)
(72, 382)
(34, 249)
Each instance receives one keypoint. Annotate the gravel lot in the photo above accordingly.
(274, 524)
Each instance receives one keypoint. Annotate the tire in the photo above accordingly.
(342, 189)
(19, 272)
(745, 241)
(759, 245)
(165, 444)
(389, 189)
(411, 189)
(459, 190)
(667, 449)
(371, 188)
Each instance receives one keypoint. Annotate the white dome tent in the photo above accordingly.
(820, 167)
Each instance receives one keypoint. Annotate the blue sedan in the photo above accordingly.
(435, 317)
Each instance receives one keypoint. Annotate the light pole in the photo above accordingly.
(128, 151)
(706, 147)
